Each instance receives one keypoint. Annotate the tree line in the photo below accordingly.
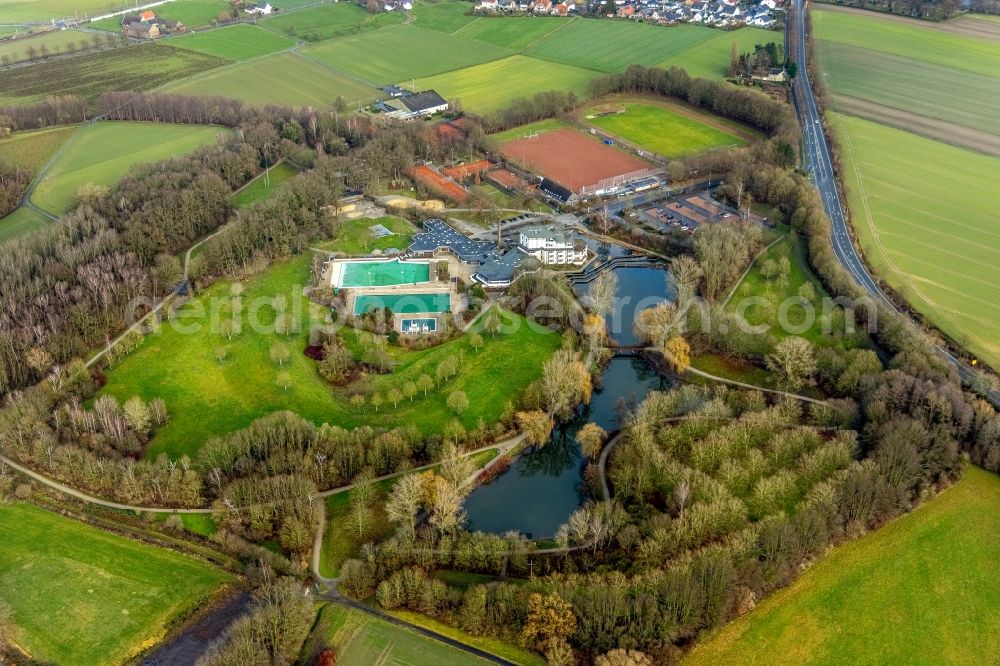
(60, 110)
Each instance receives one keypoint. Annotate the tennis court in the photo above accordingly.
(404, 303)
(381, 273)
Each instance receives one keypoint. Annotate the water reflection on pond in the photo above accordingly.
(542, 487)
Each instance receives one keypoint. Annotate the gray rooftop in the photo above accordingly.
(437, 235)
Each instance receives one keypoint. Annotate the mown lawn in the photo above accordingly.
(662, 131)
(611, 46)
(238, 42)
(103, 152)
(353, 237)
(83, 596)
(920, 590)
(263, 185)
(521, 131)
(927, 226)
(328, 21)
(709, 59)
(495, 646)
(494, 85)
(136, 67)
(359, 638)
(280, 78)
(20, 222)
(388, 56)
(207, 397)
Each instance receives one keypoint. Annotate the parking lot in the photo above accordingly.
(689, 213)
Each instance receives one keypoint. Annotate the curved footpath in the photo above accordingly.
(820, 164)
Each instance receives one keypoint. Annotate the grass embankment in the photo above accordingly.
(921, 590)
(207, 397)
(83, 596)
(925, 226)
(660, 130)
(280, 78)
(359, 638)
(264, 185)
(492, 645)
(354, 237)
(237, 42)
(341, 541)
(104, 152)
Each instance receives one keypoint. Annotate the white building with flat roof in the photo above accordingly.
(552, 246)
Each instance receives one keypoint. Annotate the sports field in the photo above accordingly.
(390, 55)
(494, 85)
(238, 42)
(571, 158)
(184, 370)
(383, 273)
(710, 58)
(136, 67)
(611, 46)
(920, 590)
(927, 226)
(55, 42)
(658, 129)
(403, 303)
(359, 638)
(281, 78)
(83, 596)
(328, 21)
(102, 153)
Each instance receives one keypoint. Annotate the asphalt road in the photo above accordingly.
(820, 165)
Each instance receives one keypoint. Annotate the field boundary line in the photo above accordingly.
(548, 35)
(308, 58)
(476, 20)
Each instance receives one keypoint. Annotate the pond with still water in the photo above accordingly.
(542, 487)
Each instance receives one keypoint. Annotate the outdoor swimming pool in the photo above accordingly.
(404, 303)
(379, 273)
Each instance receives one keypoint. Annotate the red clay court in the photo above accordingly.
(574, 160)
(438, 183)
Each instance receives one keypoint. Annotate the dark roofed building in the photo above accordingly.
(554, 190)
(438, 235)
(416, 105)
(499, 270)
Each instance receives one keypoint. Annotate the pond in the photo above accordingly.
(638, 289)
(542, 487)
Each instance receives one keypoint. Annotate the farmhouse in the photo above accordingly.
(146, 25)
(414, 105)
(262, 9)
(552, 246)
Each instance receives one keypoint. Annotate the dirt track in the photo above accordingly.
(965, 26)
(932, 128)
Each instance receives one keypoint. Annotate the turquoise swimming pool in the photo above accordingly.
(404, 303)
(383, 273)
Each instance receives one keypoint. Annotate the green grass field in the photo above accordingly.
(24, 11)
(519, 132)
(960, 96)
(493, 85)
(238, 42)
(910, 40)
(444, 16)
(31, 150)
(515, 33)
(925, 225)
(102, 153)
(137, 67)
(55, 43)
(611, 46)
(263, 185)
(495, 646)
(353, 237)
(192, 13)
(184, 371)
(359, 638)
(281, 78)
(328, 21)
(21, 222)
(83, 596)
(387, 56)
(920, 590)
(710, 58)
(662, 131)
